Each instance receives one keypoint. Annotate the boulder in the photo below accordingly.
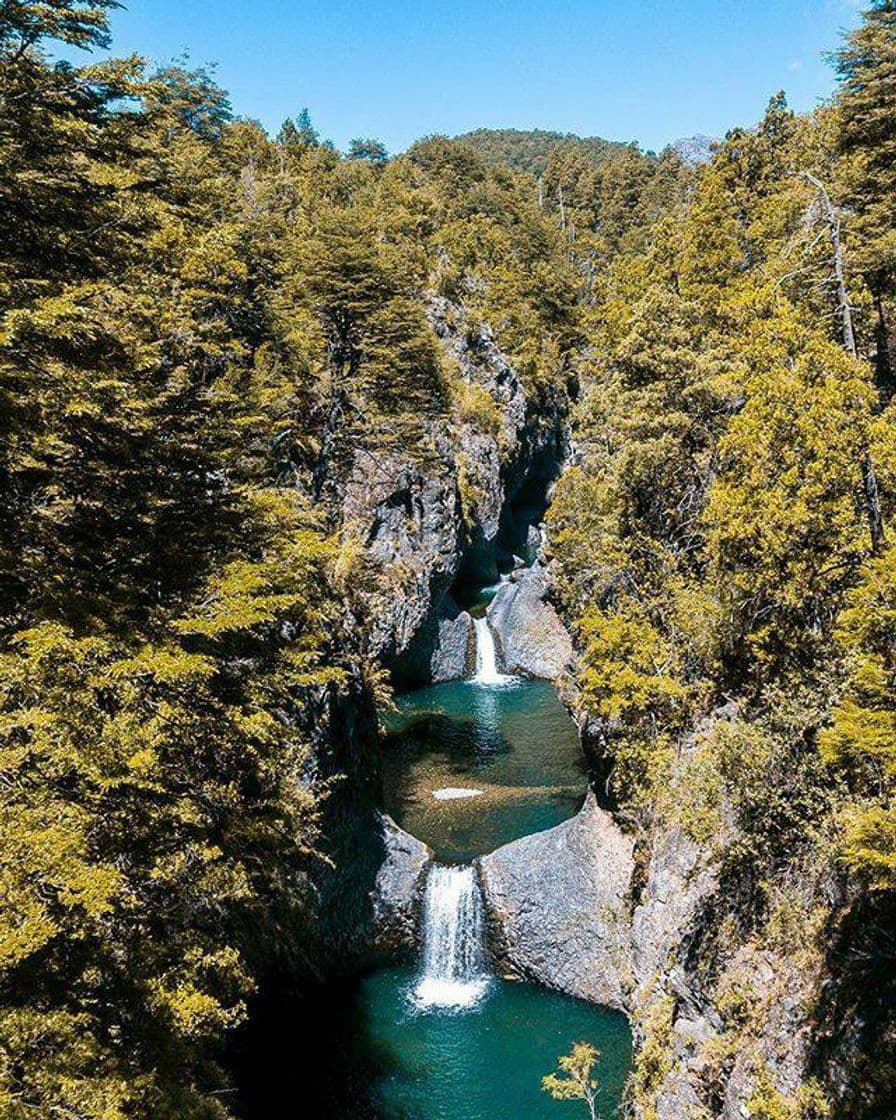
(529, 635)
(398, 890)
(442, 650)
(452, 655)
(558, 906)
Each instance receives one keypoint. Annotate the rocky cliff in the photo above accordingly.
(738, 1007)
(723, 1022)
(529, 635)
(427, 522)
(423, 521)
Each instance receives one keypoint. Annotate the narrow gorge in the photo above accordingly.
(488, 904)
(461, 1028)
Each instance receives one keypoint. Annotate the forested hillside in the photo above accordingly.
(724, 544)
(531, 149)
(201, 326)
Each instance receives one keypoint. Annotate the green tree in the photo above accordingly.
(80, 23)
(372, 150)
(786, 531)
(866, 67)
(861, 741)
(575, 1080)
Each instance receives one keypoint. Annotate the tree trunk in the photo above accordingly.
(844, 312)
(882, 364)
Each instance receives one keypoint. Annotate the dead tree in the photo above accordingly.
(831, 218)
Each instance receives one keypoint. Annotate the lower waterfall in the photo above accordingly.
(453, 972)
(445, 1035)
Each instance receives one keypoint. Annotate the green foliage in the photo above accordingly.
(653, 1059)
(717, 515)
(475, 405)
(369, 149)
(576, 1080)
(201, 330)
(81, 23)
(629, 681)
(861, 740)
(784, 513)
(866, 66)
(530, 150)
(767, 1103)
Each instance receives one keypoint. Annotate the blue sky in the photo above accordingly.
(652, 71)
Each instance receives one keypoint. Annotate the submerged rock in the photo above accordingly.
(398, 892)
(558, 905)
(530, 636)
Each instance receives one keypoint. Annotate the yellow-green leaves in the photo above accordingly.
(786, 528)
(631, 680)
(576, 1080)
(630, 666)
(861, 740)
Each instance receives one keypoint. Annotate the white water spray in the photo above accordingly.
(453, 973)
(486, 657)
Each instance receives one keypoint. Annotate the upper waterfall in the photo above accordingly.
(486, 655)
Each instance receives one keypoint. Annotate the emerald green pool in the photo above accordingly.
(361, 1051)
(514, 744)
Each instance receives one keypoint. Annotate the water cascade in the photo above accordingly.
(453, 973)
(486, 657)
(468, 765)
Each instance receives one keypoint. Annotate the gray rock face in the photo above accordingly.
(410, 522)
(398, 889)
(452, 655)
(443, 648)
(680, 964)
(530, 637)
(558, 903)
(679, 883)
(677, 886)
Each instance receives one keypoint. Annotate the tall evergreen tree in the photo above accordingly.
(866, 104)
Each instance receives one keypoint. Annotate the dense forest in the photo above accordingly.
(199, 321)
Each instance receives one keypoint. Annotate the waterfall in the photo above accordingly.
(453, 973)
(486, 658)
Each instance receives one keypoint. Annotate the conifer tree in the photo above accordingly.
(866, 104)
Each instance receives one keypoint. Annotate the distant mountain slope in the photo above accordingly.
(529, 149)
(695, 150)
